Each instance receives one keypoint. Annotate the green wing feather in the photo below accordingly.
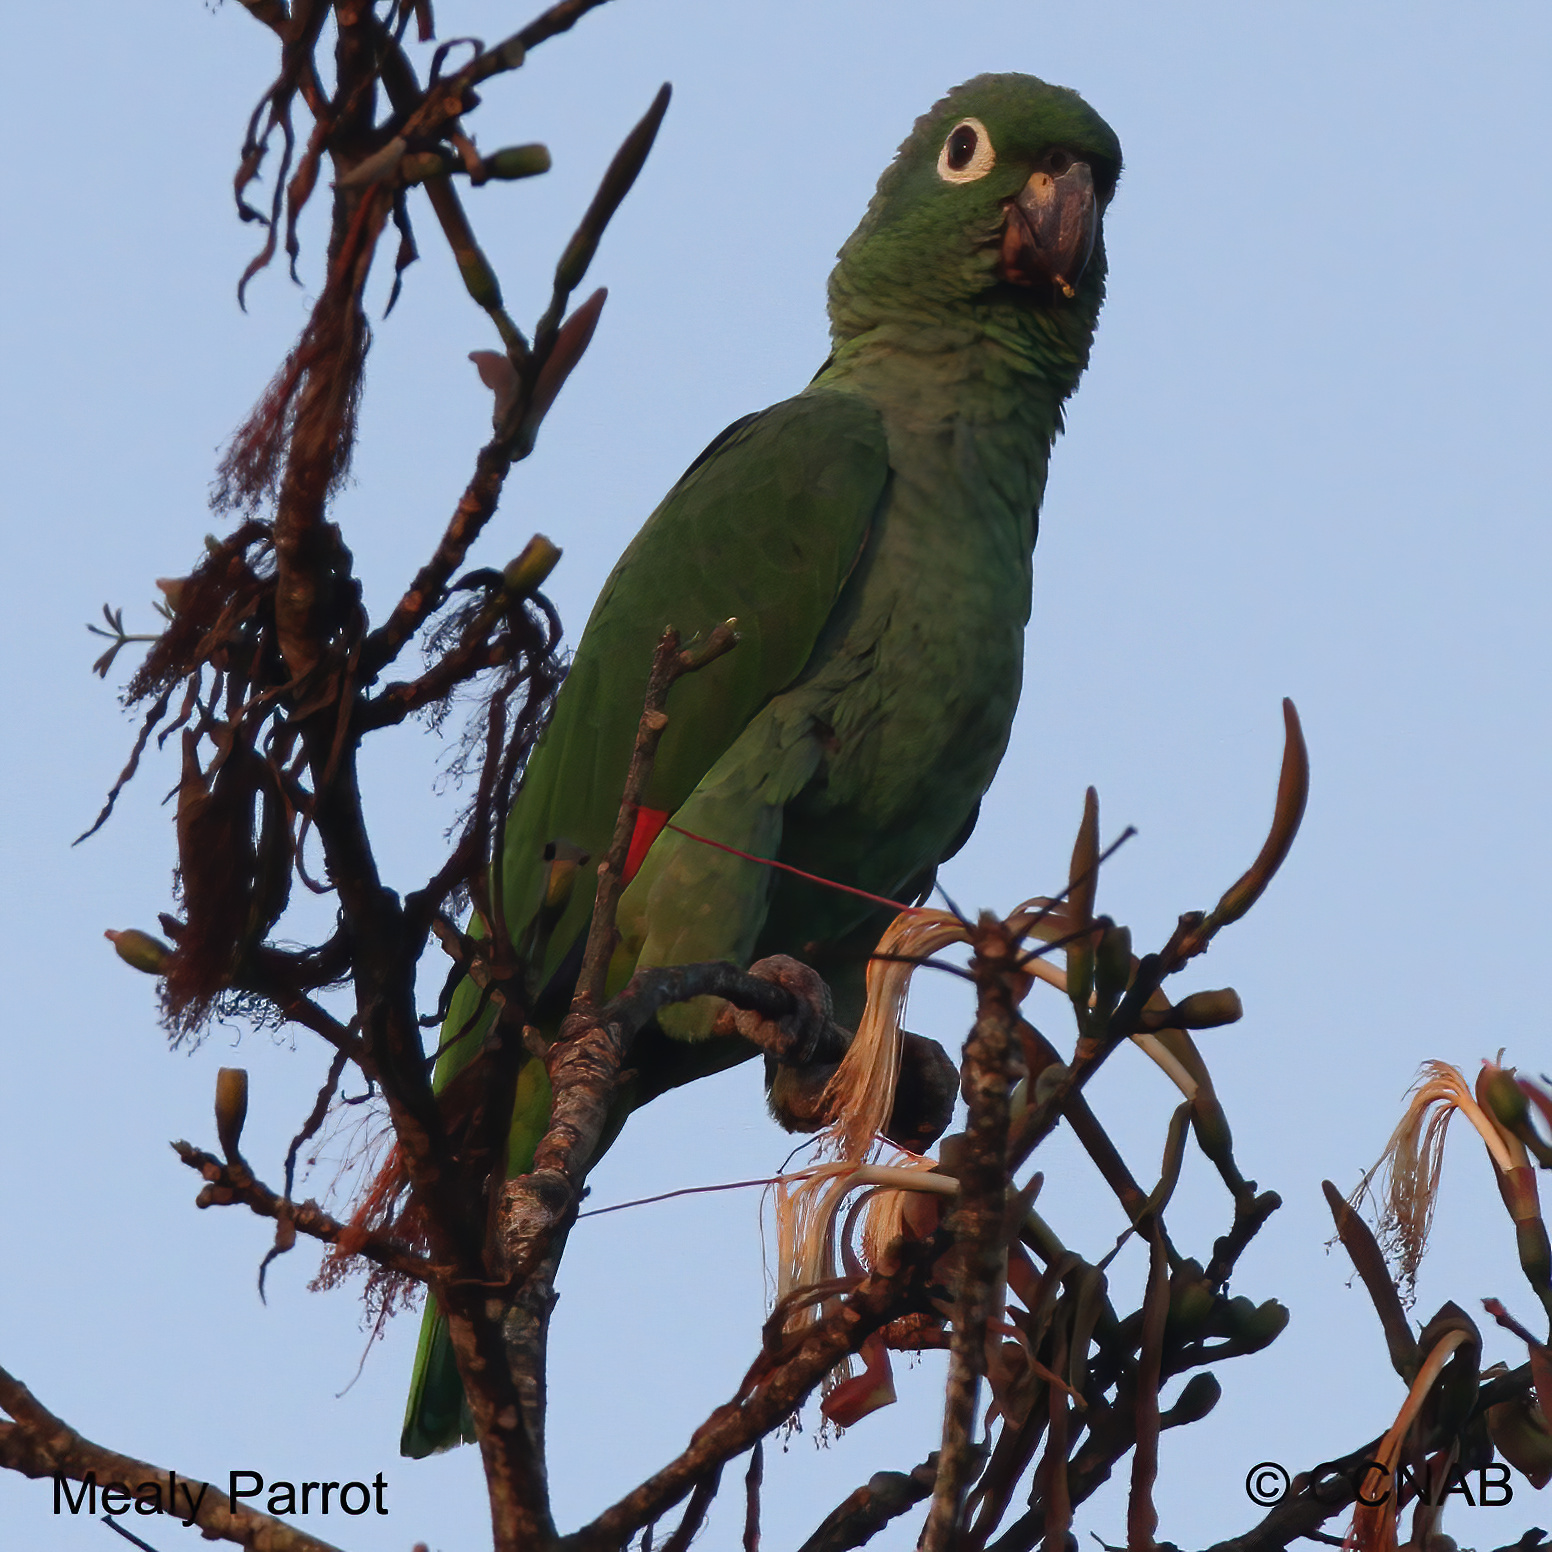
(764, 528)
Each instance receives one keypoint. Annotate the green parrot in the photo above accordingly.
(873, 538)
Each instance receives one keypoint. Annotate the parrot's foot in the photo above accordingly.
(796, 1095)
(805, 1036)
(803, 1050)
(925, 1092)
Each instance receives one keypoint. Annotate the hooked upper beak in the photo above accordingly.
(1050, 229)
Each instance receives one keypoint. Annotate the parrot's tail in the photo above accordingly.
(437, 1416)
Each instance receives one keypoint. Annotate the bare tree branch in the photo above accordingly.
(978, 1219)
(227, 1183)
(38, 1444)
(885, 1496)
(774, 1388)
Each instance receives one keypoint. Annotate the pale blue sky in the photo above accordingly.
(1310, 459)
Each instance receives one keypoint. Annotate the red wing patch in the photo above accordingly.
(649, 825)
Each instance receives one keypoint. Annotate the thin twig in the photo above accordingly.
(753, 1477)
(1142, 1518)
(315, 1118)
(774, 1388)
(228, 1183)
(666, 1196)
(695, 1511)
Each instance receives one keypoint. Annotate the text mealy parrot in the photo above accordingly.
(873, 539)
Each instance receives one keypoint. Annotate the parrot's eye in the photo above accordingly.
(967, 154)
(1056, 162)
(961, 147)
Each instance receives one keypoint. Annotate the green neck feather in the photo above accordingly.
(1000, 357)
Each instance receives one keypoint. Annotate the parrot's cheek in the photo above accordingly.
(1049, 231)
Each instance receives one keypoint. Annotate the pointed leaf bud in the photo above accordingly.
(1081, 882)
(617, 180)
(571, 340)
(1292, 793)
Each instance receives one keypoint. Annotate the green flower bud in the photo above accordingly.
(1504, 1097)
(1207, 1010)
(1519, 1434)
(1112, 967)
(521, 161)
(1191, 1300)
(1195, 1401)
(231, 1109)
(538, 559)
(140, 950)
(1256, 1325)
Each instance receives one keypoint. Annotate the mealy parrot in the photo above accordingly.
(872, 537)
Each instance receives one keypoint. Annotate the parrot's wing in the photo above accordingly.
(765, 527)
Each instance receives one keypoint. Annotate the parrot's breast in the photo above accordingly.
(913, 686)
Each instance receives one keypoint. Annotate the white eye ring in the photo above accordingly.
(967, 153)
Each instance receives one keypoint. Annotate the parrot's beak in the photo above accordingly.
(1050, 229)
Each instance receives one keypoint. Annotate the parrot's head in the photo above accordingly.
(996, 201)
